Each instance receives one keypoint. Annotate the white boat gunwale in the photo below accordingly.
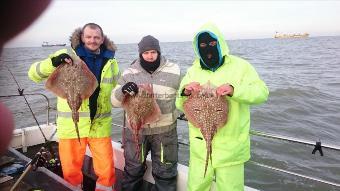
(31, 136)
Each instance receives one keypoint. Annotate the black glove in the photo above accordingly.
(130, 88)
(56, 61)
(183, 93)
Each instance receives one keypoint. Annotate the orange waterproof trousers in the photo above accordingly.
(72, 156)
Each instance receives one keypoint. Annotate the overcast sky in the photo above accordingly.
(171, 21)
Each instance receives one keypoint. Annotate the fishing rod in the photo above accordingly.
(21, 93)
(47, 143)
(45, 155)
(41, 158)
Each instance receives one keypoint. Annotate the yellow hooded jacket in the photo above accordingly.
(231, 143)
(100, 126)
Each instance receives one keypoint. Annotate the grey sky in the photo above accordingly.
(129, 21)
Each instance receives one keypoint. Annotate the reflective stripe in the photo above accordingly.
(102, 115)
(37, 69)
(68, 114)
(117, 76)
(82, 114)
(102, 187)
(162, 160)
(113, 78)
(162, 155)
(142, 159)
(112, 68)
(107, 80)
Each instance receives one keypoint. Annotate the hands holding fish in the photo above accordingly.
(130, 88)
(193, 86)
(225, 89)
(62, 58)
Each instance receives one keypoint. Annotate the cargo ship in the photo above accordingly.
(46, 44)
(298, 35)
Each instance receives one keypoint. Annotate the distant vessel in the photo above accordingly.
(298, 35)
(46, 44)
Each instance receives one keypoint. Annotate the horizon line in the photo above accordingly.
(235, 39)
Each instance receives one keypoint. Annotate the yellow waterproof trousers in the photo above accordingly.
(228, 178)
(72, 156)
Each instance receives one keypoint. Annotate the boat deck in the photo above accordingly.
(40, 179)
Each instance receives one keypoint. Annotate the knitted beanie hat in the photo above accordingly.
(148, 43)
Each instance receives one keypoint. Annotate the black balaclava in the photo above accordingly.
(150, 66)
(213, 62)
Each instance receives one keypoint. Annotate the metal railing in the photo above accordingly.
(21, 93)
(33, 115)
(34, 94)
(317, 146)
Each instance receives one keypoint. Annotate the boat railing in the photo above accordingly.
(317, 146)
(21, 93)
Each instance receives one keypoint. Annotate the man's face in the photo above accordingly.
(150, 55)
(92, 38)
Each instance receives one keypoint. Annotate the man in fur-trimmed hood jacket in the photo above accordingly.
(97, 51)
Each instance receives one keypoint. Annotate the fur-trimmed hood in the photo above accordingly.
(75, 40)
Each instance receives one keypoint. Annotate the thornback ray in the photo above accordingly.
(208, 112)
(141, 109)
(73, 82)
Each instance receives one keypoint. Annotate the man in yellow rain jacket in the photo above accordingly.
(237, 79)
(97, 51)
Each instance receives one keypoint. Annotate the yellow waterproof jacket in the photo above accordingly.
(231, 143)
(100, 126)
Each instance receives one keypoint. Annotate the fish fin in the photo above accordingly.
(91, 85)
(52, 84)
(207, 159)
(136, 140)
(156, 113)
